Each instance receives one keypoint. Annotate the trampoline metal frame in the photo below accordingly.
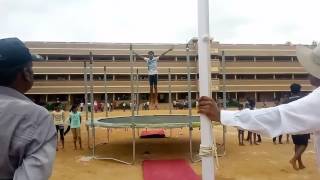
(92, 124)
(134, 127)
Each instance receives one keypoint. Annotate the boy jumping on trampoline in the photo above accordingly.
(152, 62)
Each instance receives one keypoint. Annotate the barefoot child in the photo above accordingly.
(75, 123)
(59, 119)
(300, 141)
(152, 62)
(240, 131)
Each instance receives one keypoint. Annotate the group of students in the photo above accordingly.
(252, 137)
(299, 140)
(73, 122)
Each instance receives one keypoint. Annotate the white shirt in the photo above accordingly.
(298, 117)
(152, 65)
(58, 117)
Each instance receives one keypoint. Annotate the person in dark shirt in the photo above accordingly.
(300, 141)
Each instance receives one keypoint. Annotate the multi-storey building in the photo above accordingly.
(263, 71)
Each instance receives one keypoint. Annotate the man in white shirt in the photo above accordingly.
(298, 117)
(152, 62)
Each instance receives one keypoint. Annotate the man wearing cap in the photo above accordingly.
(298, 117)
(27, 133)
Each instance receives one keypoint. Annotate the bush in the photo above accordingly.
(232, 103)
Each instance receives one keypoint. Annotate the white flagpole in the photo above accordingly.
(205, 88)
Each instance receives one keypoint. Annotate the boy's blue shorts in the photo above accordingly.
(153, 79)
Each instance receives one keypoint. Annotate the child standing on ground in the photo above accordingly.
(59, 119)
(75, 124)
(240, 131)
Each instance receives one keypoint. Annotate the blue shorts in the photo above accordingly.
(153, 79)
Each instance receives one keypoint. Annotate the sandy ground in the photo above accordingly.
(259, 162)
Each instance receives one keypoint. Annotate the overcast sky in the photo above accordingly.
(160, 21)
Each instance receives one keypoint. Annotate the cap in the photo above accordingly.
(13, 53)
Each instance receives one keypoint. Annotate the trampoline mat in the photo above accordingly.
(156, 121)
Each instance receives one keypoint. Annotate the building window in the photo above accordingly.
(283, 76)
(245, 76)
(301, 76)
(122, 77)
(76, 77)
(264, 76)
(39, 77)
(264, 58)
(61, 77)
(282, 58)
(245, 58)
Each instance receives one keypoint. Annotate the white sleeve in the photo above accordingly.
(146, 59)
(300, 116)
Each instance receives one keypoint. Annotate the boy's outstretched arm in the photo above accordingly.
(164, 53)
(138, 55)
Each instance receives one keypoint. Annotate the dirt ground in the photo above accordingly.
(250, 162)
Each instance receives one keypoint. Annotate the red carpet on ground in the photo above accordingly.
(154, 133)
(168, 170)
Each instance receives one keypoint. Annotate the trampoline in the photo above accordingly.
(153, 121)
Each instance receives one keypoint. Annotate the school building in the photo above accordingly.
(260, 71)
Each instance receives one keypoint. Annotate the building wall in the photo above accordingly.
(263, 72)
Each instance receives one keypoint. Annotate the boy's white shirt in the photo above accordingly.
(152, 72)
(298, 117)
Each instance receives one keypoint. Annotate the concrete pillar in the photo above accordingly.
(113, 77)
(177, 96)
(236, 95)
(272, 58)
(292, 76)
(235, 76)
(274, 95)
(113, 58)
(256, 96)
(46, 77)
(234, 58)
(69, 99)
(47, 58)
(274, 76)
(176, 58)
(291, 58)
(46, 97)
(255, 76)
(176, 77)
(254, 59)
(69, 77)
(69, 58)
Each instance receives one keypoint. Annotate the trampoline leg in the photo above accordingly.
(133, 146)
(88, 136)
(191, 147)
(108, 135)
